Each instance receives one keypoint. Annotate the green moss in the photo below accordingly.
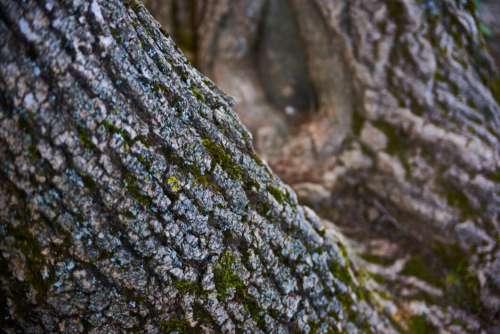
(495, 176)
(397, 143)
(184, 38)
(174, 183)
(129, 215)
(342, 273)
(273, 313)
(116, 35)
(278, 194)
(200, 178)
(85, 138)
(395, 139)
(495, 89)
(135, 190)
(252, 184)
(144, 161)
(264, 209)
(197, 94)
(472, 5)
(257, 159)
(133, 4)
(224, 276)
(457, 198)
(223, 159)
(419, 325)
(103, 255)
(448, 270)
(463, 288)
(32, 149)
(201, 315)
(251, 307)
(159, 88)
(485, 30)
(33, 153)
(24, 308)
(462, 285)
(28, 245)
(397, 11)
(347, 275)
(357, 123)
(113, 129)
(133, 296)
(416, 266)
(377, 259)
(185, 287)
(343, 250)
(176, 325)
(313, 327)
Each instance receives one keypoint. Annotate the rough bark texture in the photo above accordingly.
(131, 198)
(489, 12)
(391, 129)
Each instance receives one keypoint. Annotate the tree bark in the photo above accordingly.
(391, 129)
(489, 10)
(131, 198)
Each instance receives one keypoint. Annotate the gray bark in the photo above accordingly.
(398, 141)
(131, 199)
(489, 11)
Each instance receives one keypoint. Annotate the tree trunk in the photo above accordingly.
(131, 198)
(489, 11)
(384, 116)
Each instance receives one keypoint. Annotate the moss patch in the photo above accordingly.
(135, 190)
(385, 261)
(222, 158)
(225, 279)
(419, 325)
(176, 325)
(224, 276)
(34, 259)
(495, 89)
(449, 271)
(462, 285)
(279, 195)
(185, 287)
(197, 94)
(416, 266)
(458, 199)
(85, 138)
(357, 123)
(395, 139)
(113, 129)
